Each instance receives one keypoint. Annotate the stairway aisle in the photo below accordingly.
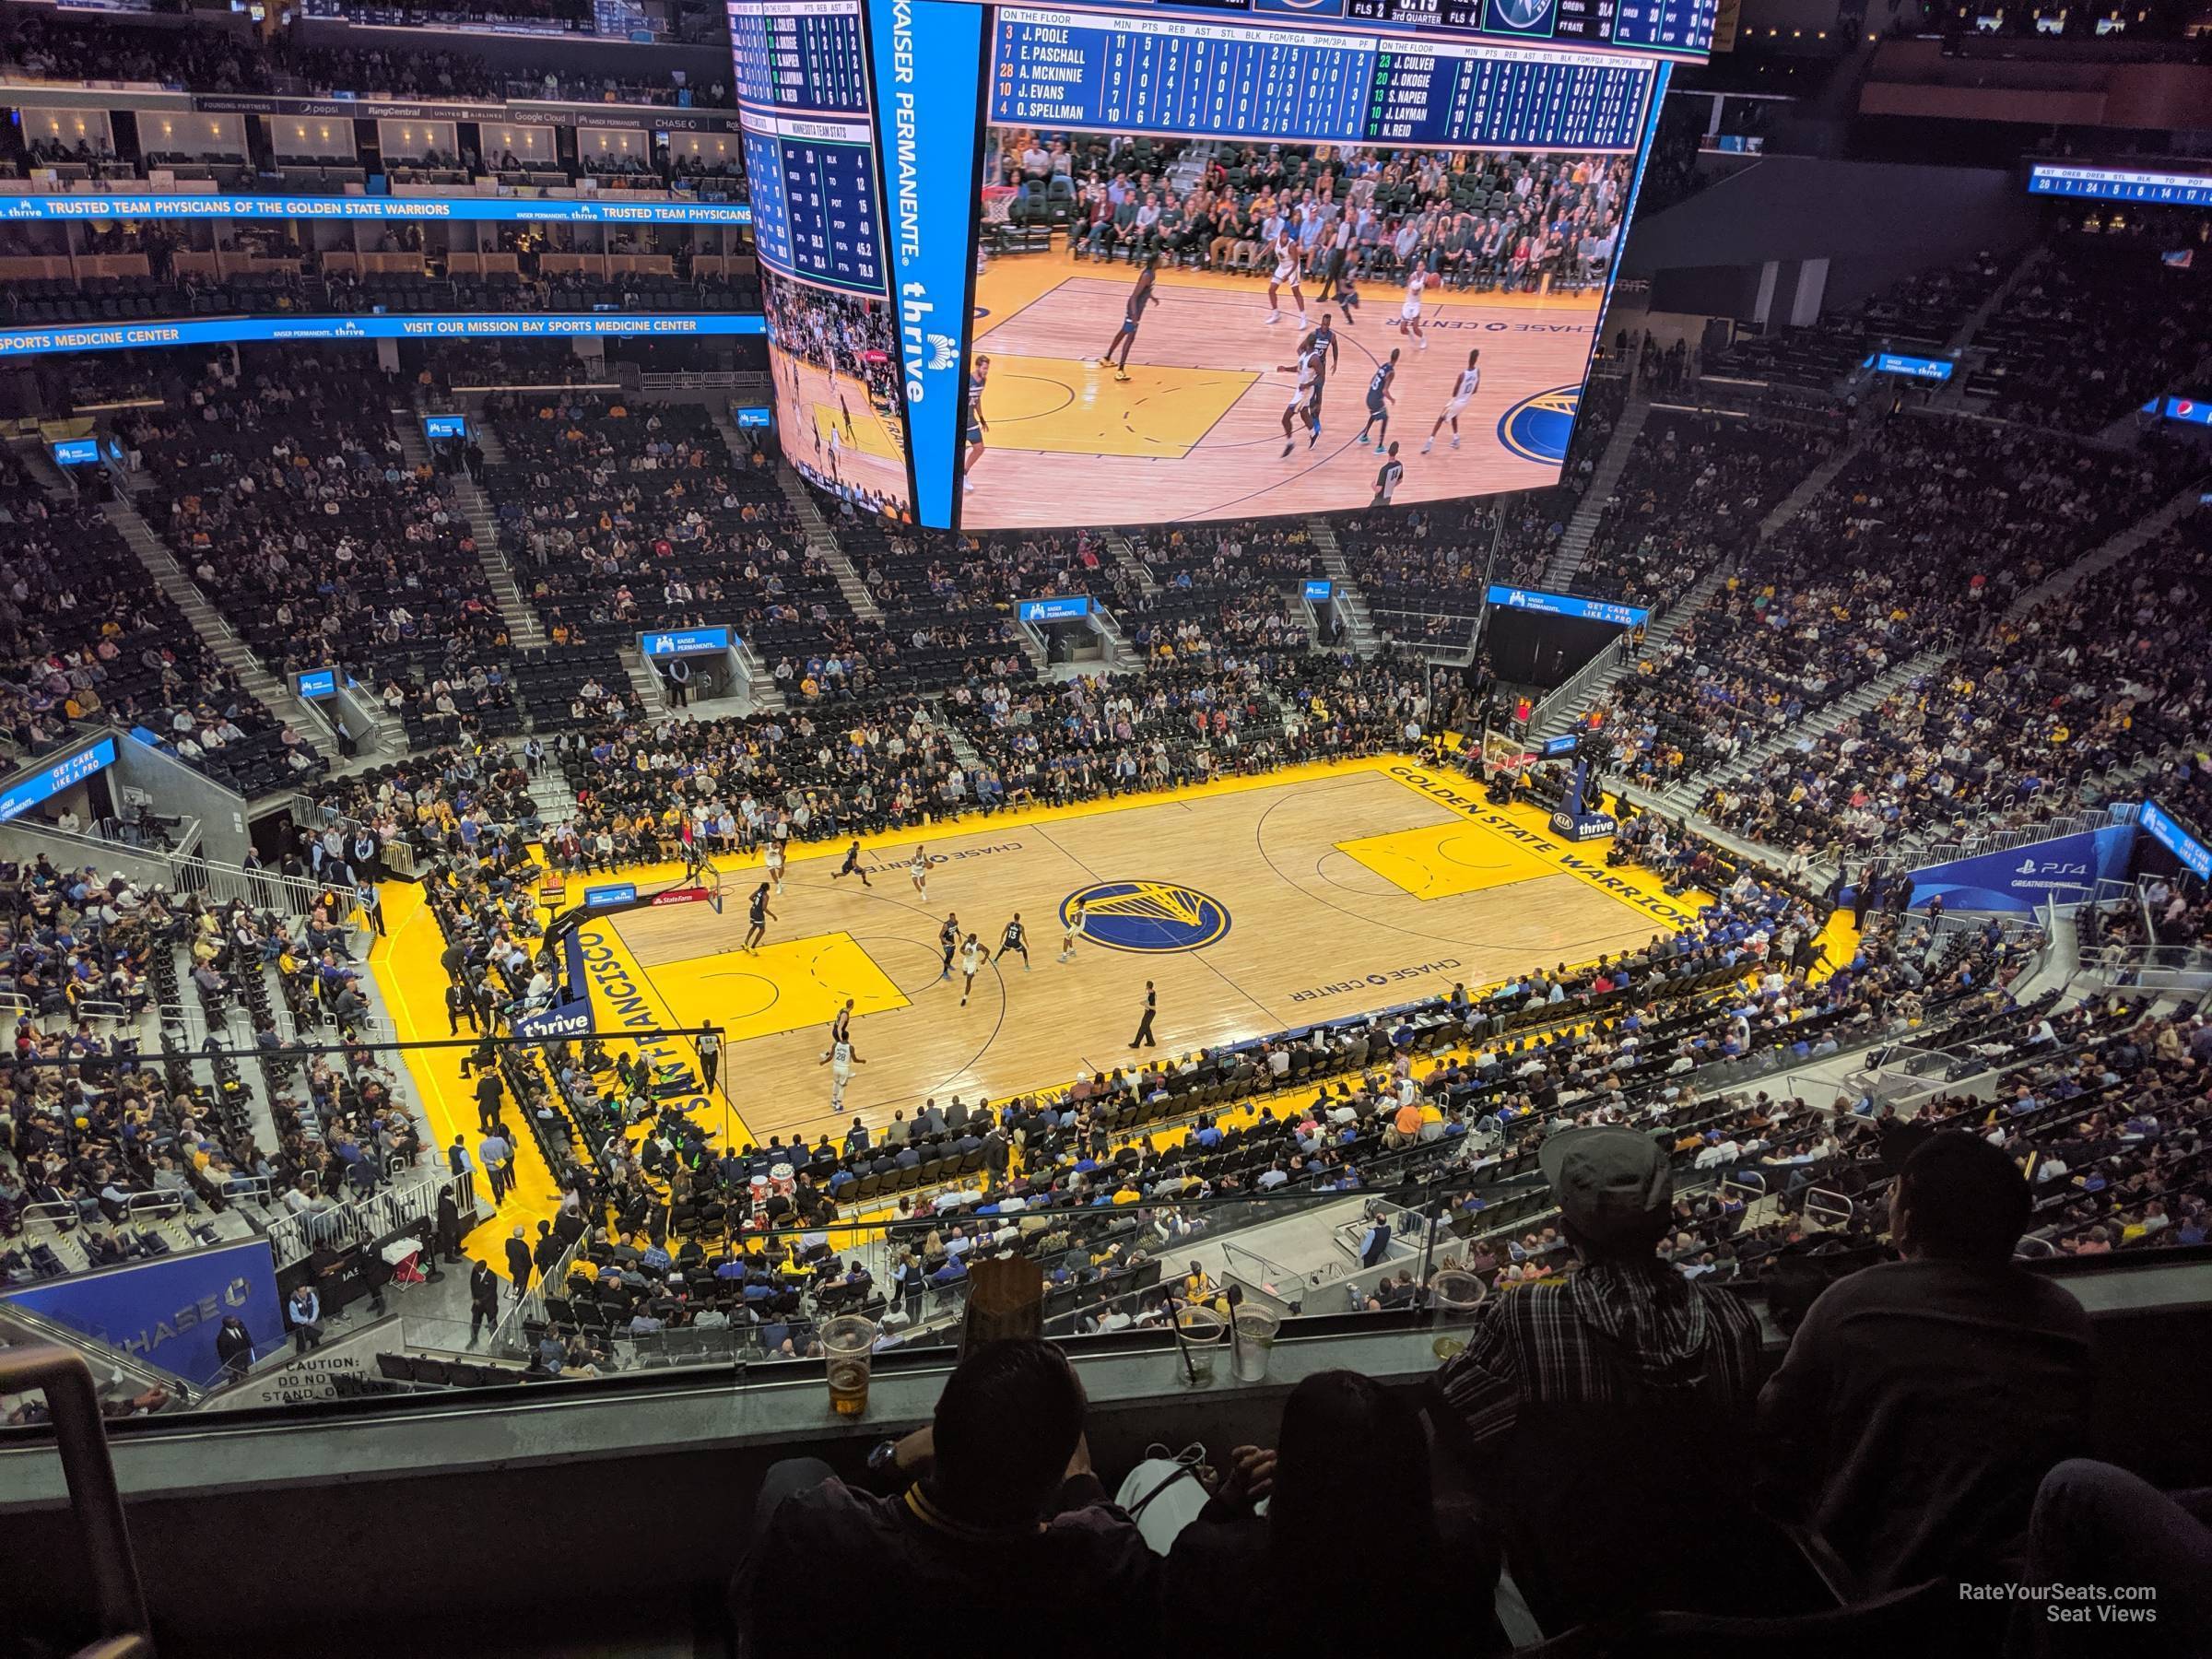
(1574, 541)
(229, 650)
(1358, 625)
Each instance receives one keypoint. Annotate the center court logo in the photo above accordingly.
(1537, 429)
(1152, 917)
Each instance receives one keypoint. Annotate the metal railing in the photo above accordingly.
(359, 1221)
(2182, 968)
(95, 1500)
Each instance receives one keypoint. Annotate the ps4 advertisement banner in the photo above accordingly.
(2065, 869)
(928, 58)
(167, 1311)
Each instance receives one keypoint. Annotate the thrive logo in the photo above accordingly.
(915, 311)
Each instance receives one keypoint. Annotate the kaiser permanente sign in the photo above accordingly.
(574, 210)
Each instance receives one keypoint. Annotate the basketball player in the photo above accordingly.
(1386, 478)
(844, 409)
(1015, 938)
(762, 916)
(841, 1029)
(852, 866)
(917, 870)
(1139, 297)
(977, 425)
(1302, 398)
(841, 1058)
(1070, 931)
(1378, 399)
(1286, 270)
(972, 955)
(1409, 312)
(834, 447)
(948, 940)
(773, 861)
(1463, 394)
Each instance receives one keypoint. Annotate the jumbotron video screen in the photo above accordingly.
(1127, 262)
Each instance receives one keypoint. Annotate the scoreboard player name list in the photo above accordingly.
(1083, 70)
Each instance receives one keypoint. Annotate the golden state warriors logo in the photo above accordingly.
(1537, 429)
(1154, 917)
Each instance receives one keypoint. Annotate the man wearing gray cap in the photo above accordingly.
(1591, 1412)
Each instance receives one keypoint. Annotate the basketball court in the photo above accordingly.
(1255, 907)
(832, 429)
(1196, 429)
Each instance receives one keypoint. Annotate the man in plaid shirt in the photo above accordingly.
(1591, 1411)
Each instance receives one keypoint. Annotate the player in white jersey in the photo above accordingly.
(1409, 314)
(1286, 270)
(917, 869)
(1463, 394)
(1303, 398)
(1070, 931)
(841, 1058)
(972, 963)
(774, 863)
(978, 377)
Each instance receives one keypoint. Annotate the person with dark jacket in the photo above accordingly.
(483, 1300)
(519, 1261)
(234, 1347)
(1923, 1401)
(547, 1250)
(1348, 1446)
(449, 1227)
(1008, 1527)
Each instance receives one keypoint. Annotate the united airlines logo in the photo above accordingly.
(1154, 917)
(1537, 429)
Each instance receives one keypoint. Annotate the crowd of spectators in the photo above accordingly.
(1866, 575)
(2097, 327)
(87, 636)
(2027, 721)
(67, 48)
(100, 1142)
(291, 502)
(1484, 221)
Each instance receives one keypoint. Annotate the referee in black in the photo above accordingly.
(1144, 1027)
(1017, 939)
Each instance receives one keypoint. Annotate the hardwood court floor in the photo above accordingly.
(1196, 430)
(812, 409)
(1257, 907)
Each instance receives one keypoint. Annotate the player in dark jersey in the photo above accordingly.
(852, 866)
(760, 916)
(1015, 938)
(948, 941)
(977, 425)
(1125, 336)
(1379, 400)
(1322, 339)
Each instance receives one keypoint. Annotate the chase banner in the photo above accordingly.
(167, 1311)
(928, 60)
(2066, 868)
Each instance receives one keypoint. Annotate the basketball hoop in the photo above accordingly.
(998, 202)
